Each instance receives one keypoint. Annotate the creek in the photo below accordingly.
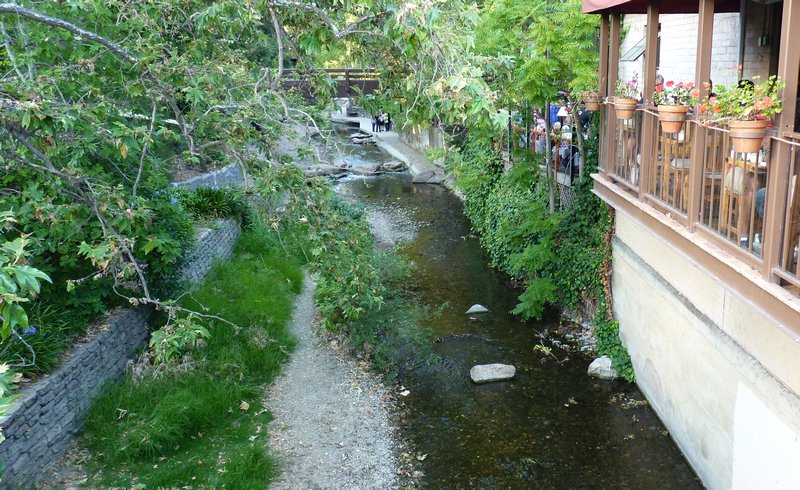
(552, 426)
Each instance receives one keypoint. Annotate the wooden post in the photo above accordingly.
(604, 28)
(779, 165)
(613, 74)
(649, 122)
(702, 73)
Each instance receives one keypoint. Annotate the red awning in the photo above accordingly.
(640, 6)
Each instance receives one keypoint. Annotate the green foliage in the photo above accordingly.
(213, 203)
(154, 428)
(359, 290)
(552, 44)
(7, 381)
(18, 284)
(609, 344)
(48, 338)
(181, 336)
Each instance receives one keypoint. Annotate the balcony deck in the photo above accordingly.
(737, 215)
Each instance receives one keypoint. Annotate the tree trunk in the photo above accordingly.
(579, 135)
(549, 152)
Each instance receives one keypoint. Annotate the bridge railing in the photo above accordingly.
(348, 82)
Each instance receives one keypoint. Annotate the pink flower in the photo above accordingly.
(670, 83)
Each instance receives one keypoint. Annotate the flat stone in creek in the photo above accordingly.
(486, 373)
(476, 309)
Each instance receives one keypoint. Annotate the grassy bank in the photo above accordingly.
(200, 422)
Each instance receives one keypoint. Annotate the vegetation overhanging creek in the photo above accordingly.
(552, 426)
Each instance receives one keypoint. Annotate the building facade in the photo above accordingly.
(706, 282)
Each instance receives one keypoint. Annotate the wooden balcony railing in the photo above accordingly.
(733, 204)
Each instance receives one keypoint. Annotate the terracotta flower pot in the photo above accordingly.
(746, 136)
(591, 101)
(672, 117)
(625, 107)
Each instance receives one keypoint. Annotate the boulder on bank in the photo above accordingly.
(373, 169)
(393, 166)
(601, 368)
(476, 309)
(428, 177)
(486, 373)
(323, 169)
(361, 138)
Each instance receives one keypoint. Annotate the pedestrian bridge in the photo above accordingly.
(347, 82)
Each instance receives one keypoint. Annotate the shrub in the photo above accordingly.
(217, 202)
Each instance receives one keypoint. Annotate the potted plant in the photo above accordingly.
(747, 107)
(591, 100)
(626, 97)
(673, 100)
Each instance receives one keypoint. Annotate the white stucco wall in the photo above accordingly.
(679, 47)
(723, 376)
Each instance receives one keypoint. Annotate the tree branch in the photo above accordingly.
(349, 29)
(11, 56)
(144, 151)
(278, 39)
(10, 8)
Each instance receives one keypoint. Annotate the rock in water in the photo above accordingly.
(601, 368)
(477, 309)
(486, 373)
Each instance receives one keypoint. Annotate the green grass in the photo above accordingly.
(186, 427)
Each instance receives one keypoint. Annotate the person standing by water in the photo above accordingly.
(374, 123)
(388, 122)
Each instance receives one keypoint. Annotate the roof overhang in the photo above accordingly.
(640, 6)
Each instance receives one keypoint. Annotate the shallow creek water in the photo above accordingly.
(552, 426)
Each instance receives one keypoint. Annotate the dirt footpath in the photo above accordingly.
(332, 427)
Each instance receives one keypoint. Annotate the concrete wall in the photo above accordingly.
(41, 425)
(723, 377)
(232, 175)
(421, 138)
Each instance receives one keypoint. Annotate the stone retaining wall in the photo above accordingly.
(41, 425)
(212, 244)
(229, 176)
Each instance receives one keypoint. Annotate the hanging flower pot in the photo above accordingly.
(591, 100)
(746, 136)
(624, 107)
(672, 117)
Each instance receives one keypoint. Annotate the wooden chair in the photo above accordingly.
(738, 192)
